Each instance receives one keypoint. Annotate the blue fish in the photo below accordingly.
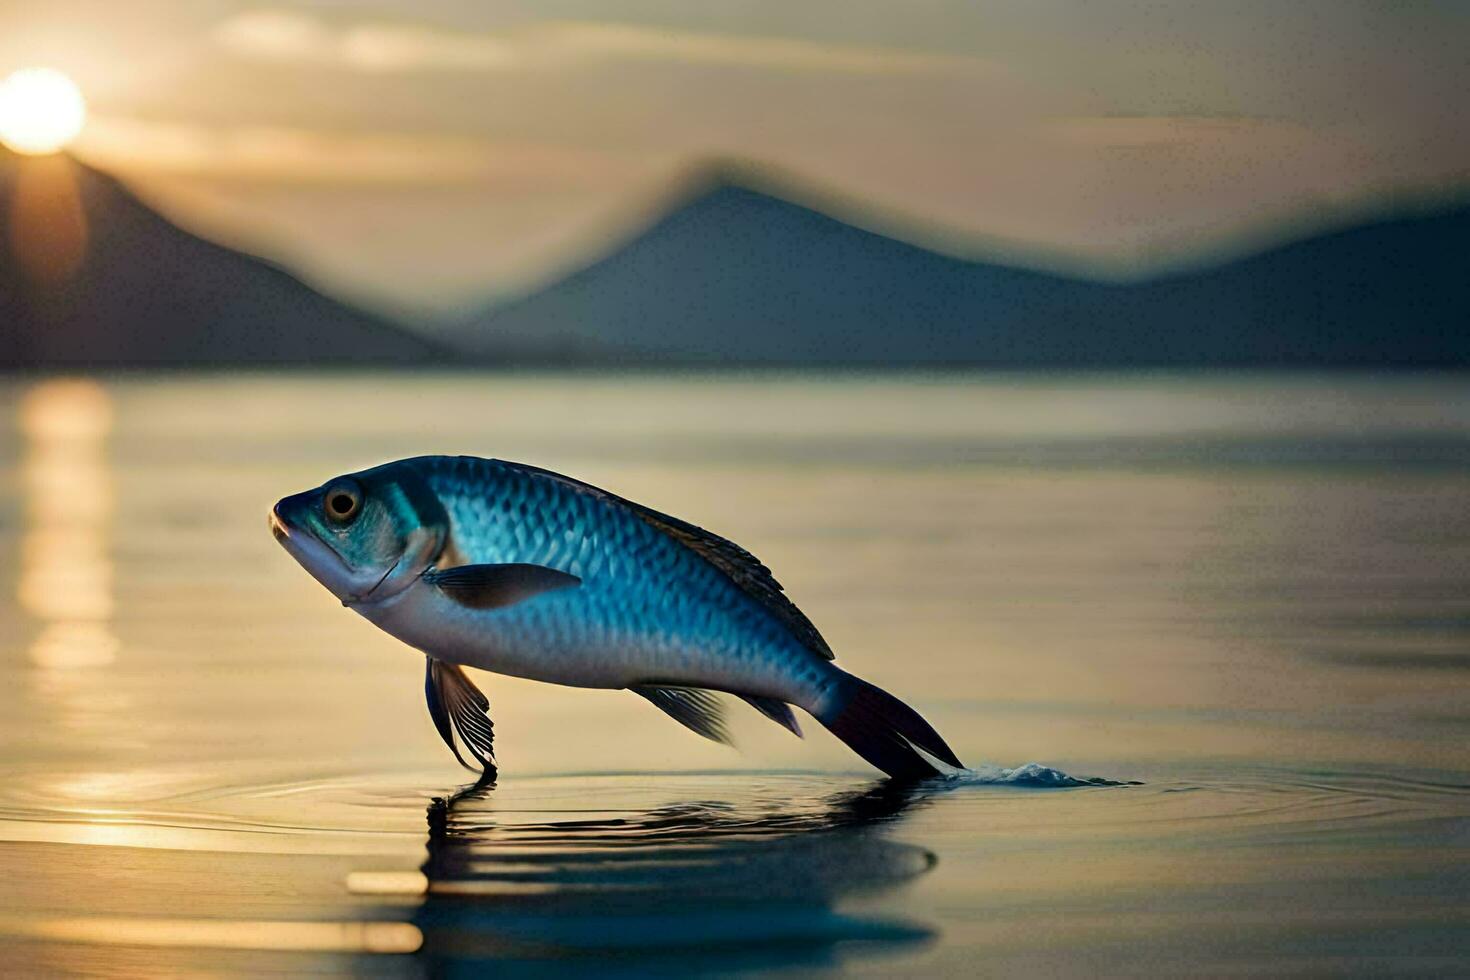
(522, 571)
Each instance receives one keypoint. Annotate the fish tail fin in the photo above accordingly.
(882, 729)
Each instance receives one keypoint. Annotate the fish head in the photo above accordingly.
(366, 536)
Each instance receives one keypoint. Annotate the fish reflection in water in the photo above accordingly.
(685, 885)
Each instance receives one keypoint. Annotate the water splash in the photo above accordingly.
(1031, 774)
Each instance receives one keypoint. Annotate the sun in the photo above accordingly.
(41, 111)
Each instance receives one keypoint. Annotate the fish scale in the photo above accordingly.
(641, 591)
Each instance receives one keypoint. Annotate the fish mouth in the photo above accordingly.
(328, 567)
(278, 527)
(308, 550)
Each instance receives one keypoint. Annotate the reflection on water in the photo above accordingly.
(1249, 593)
(65, 578)
(321, 937)
(742, 885)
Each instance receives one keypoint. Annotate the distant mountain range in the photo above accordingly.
(731, 273)
(736, 275)
(91, 276)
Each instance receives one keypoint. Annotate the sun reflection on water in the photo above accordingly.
(66, 574)
(339, 937)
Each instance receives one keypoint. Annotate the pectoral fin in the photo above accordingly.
(495, 586)
(458, 707)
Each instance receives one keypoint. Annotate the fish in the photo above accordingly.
(517, 570)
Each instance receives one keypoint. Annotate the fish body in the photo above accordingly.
(648, 607)
(520, 571)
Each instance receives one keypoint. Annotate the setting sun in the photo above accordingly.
(41, 111)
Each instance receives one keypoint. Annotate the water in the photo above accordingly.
(1243, 597)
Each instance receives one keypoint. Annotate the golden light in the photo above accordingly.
(41, 111)
(66, 573)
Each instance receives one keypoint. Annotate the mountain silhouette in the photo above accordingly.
(737, 274)
(90, 275)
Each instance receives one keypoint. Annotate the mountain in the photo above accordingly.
(90, 275)
(735, 274)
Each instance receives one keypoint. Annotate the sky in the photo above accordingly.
(426, 156)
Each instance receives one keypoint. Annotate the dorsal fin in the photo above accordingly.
(740, 566)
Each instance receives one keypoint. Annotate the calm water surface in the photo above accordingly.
(1249, 596)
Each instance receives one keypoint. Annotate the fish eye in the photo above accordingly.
(342, 501)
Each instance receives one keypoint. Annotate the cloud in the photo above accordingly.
(285, 35)
(402, 47)
(593, 40)
(1131, 132)
(280, 153)
(282, 34)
